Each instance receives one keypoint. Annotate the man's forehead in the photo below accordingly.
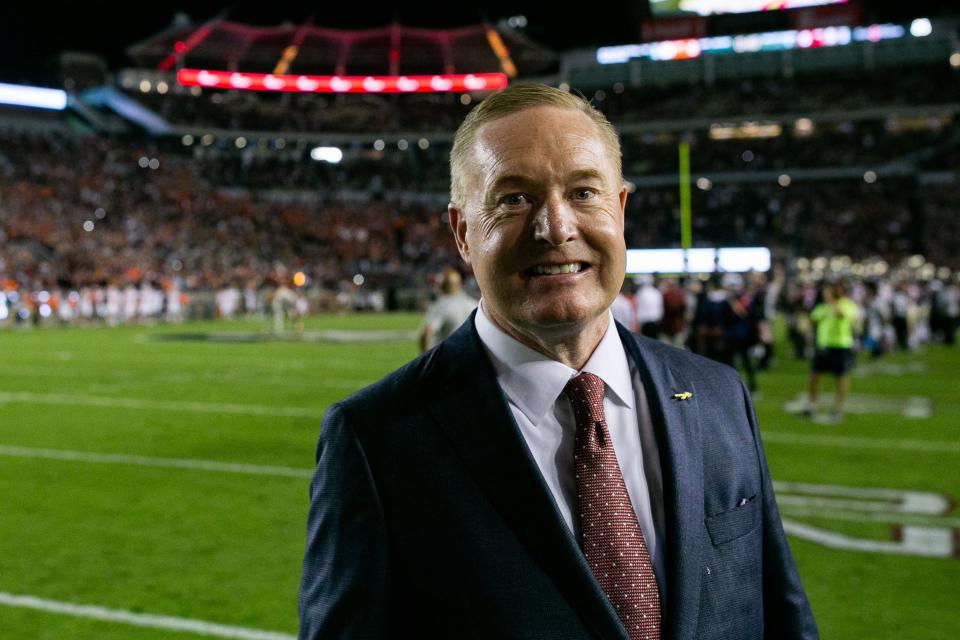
(537, 140)
(543, 126)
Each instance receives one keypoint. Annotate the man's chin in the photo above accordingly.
(565, 321)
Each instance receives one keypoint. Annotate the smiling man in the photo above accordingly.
(543, 473)
(539, 217)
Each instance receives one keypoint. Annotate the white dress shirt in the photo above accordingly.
(533, 385)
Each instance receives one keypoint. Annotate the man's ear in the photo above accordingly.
(624, 190)
(458, 224)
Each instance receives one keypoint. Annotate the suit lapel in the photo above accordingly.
(677, 428)
(474, 414)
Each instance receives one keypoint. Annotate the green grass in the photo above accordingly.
(226, 547)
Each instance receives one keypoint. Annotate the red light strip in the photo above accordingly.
(181, 47)
(341, 84)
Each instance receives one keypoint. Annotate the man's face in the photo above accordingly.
(542, 225)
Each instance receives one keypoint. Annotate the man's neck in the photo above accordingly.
(568, 345)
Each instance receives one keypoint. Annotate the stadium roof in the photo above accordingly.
(310, 49)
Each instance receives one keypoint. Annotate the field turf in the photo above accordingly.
(145, 471)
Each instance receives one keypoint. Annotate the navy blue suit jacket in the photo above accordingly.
(430, 519)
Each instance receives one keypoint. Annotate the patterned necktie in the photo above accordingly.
(610, 536)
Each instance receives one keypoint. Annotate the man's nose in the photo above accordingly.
(555, 221)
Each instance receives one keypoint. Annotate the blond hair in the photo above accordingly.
(512, 100)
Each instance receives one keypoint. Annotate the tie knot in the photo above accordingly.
(586, 397)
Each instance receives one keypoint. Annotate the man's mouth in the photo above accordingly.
(556, 269)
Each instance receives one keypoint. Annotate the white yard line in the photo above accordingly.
(888, 518)
(152, 461)
(163, 405)
(246, 378)
(169, 623)
(850, 442)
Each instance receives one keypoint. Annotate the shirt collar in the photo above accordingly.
(533, 382)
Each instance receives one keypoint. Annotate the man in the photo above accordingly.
(674, 321)
(283, 304)
(490, 488)
(833, 318)
(649, 307)
(446, 313)
(624, 307)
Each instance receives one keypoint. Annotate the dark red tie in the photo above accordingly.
(610, 536)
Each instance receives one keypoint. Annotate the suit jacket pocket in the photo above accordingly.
(734, 523)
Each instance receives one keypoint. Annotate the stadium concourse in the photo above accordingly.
(158, 235)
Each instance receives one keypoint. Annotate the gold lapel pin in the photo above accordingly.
(684, 395)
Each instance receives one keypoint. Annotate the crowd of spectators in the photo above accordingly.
(730, 317)
(308, 112)
(391, 113)
(423, 162)
(364, 168)
(832, 145)
(90, 212)
(170, 219)
(800, 95)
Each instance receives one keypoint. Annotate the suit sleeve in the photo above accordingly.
(786, 611)
(344, 590)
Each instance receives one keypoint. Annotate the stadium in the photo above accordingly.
(217, 222)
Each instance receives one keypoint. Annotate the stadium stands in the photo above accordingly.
(814, 164)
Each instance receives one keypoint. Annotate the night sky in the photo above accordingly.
(32, 33)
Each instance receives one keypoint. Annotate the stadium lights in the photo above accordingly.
(803, 127)
(342, 84)
(37, 97)
(921, 27)
(503, 54)
(723, 259)
(332, 155)
(745, 130)
(711, 7)
(767, 41)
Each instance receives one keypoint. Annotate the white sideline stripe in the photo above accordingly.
(140, 619)
(165, 405)
(152, 461)
(849, 442)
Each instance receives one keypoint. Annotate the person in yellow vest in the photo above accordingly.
(834, 319)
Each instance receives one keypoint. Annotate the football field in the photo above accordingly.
(153, 480)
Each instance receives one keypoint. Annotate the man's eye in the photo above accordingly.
(514, 199)
(584, 194)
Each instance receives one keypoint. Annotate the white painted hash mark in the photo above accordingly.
(170, 623)
(153, 461)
